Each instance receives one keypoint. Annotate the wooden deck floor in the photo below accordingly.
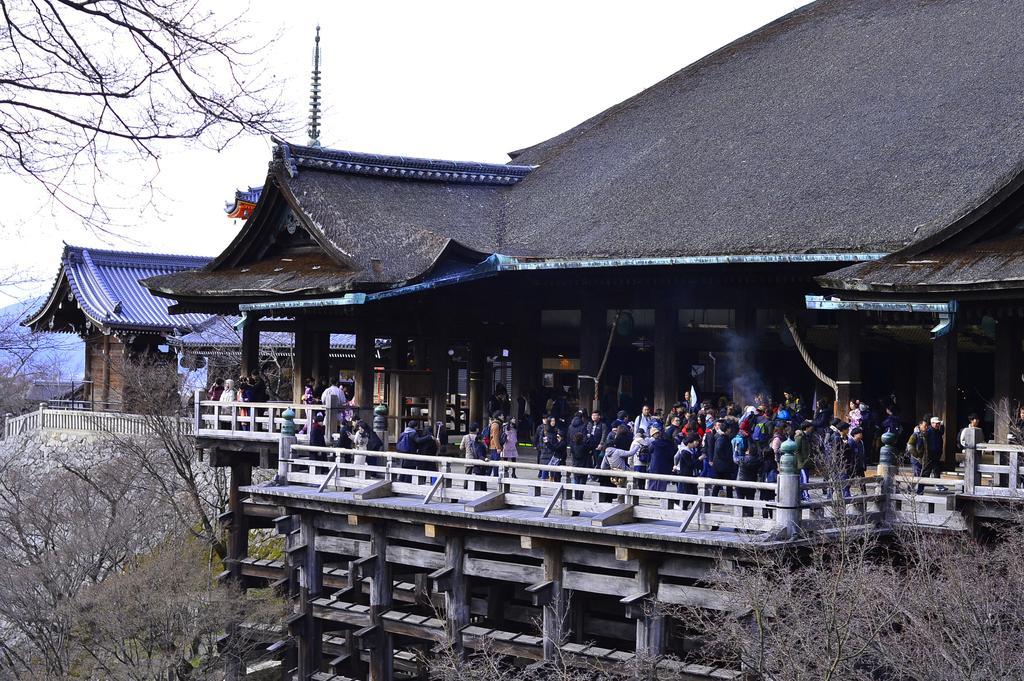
(524, 517)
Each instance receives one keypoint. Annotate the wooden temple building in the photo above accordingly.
(97, 295)
(851, 171)
(702, 212)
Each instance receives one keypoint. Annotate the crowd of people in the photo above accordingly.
(720, 441)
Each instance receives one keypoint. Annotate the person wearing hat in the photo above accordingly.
(935, 437)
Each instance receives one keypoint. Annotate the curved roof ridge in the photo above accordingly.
(401, 167)
(93, 288)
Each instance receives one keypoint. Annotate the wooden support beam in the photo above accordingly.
(616, 515)
(381, 598)
(250, 347)
(944, 397)
(375, 490)
(310, 640)
(241, 476)
(456, 596)
(542, 593)
(477, 367)
(492, 501)
(554, 619)
(848, 368)
(593, 338)
(634, 603)
(365, 342)
(650, 624)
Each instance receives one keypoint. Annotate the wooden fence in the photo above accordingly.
(113, 423)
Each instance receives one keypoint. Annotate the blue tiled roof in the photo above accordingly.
(106, 287)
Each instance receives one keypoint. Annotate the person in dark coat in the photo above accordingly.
(663, 451)
(688, 464)
(581, 455)
(722, 463)
(934, 436)
(544, 440)
(426, 445)
(823, 416)
(577, 425)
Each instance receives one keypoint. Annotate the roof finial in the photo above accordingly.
(314, 96)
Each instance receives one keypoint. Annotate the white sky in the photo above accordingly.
(463, 80)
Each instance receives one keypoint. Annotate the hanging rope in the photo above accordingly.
(604, 360)
(818, 373)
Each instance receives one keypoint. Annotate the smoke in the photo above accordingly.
(748, 386)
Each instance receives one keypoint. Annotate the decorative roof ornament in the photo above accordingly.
(314, 95)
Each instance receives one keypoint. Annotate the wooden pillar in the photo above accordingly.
(238, 539)
(319, 366)
(922, 403)
(456, 599)
(105, 385)
(439, 363)
(593, 338)
(944, 382)
(311, 641)
(300, 359)
(382, 656)
(554, 621)
(742, 352)
(477, 370)
(251, 347)
(666, 371)
(1008, 375)
(365, 345)
(848, 370)
(650, 626)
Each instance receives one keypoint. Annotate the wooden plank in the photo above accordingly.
(342, 545)
(694, 596)
(423, 558)
(616, 515)
(592, 582)
(491, 501)
(499, 570)
(375, 490)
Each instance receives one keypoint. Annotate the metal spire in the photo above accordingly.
(314, 96)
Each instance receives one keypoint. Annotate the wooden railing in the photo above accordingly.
(80, 421)
(993, 470)
(458, 480)
(259, 420)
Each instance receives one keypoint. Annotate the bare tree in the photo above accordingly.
(161, 618)
(195, 492)
(86, 85)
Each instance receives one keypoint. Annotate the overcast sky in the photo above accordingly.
(459, 80)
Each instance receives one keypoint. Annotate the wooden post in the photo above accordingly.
(105, 387)
(439, 379)
(554, 621)
(300, 353)
(650, 625)
(593, 338)
(250, 347)
(972, 478)
(310, 643)
(332, 414)
(197, 410)
(887, 470)
(456, 599)
(944, 381)
(666, 371)
(382, 657)
(238, 539)
(477, 368)
(848, 370)
(319, 361)
(1008, 375)
(365, 345)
